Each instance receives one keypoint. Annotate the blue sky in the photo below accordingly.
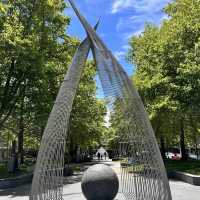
(120, 19)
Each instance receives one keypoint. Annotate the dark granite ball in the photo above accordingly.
(100, 182)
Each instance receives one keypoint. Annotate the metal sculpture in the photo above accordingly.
(143, 175)
(48, 175)
(100, 182)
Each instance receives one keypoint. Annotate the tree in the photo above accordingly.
(34, 54)
(168, 70)
(87, 116)
(33, 42)
(35, 51)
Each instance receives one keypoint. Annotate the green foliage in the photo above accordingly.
(87, 118)
(4, 174)
(192, 166)
(118, 126)
(168, 68)
(35, 52)
(34, 48)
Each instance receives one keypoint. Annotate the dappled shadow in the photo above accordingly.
(77, 176)
(83, 167)
(73, 179)
(23, 190)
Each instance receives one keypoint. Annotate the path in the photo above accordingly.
(72, 190)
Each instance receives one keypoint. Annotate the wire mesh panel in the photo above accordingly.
(48, 176)
(143, 175)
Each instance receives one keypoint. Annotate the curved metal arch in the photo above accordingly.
(143, 175)
(48, 175)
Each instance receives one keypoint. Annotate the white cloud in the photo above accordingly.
(120, 4)
(132, 22)
(165, 17)
(136, 33)
(102, 35)
(119, 54)
(138, 5)
(142, 11)
(128, 35)
(120, 24)
(125, 47)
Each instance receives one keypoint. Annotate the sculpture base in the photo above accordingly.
(100, 182)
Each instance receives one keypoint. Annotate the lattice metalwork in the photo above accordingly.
(143, 175)
(48, 176)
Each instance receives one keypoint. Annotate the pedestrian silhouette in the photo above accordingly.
(105, 154)
(98, 155)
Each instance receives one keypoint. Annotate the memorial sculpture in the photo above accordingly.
(143, 174)
(100, 182)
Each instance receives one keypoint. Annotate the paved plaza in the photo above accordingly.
(72, 189)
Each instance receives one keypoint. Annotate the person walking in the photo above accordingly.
(98, 155)
(105, 155)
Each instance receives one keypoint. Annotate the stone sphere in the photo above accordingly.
(100, 182)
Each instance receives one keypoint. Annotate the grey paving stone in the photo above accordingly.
(72, 191)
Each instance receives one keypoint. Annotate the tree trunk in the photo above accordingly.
(12, 164)
(195, 131)
(21, 134)
(78, 151)
(162, 144)
(182, 141)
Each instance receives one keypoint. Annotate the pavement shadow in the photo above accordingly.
(23, 190)
(73, 179)
(77, 176)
